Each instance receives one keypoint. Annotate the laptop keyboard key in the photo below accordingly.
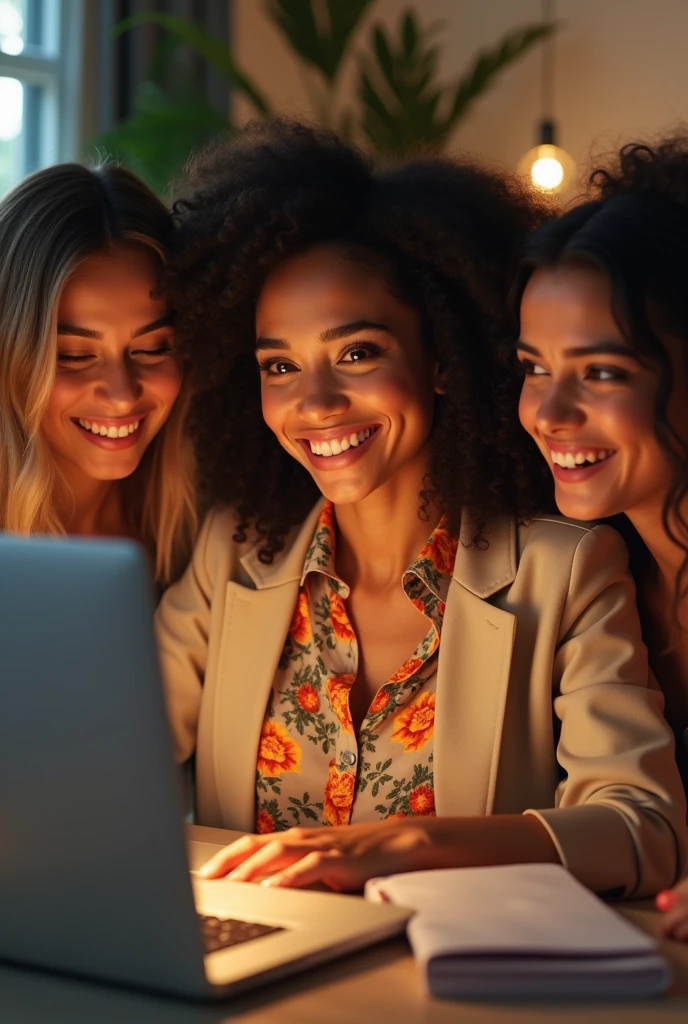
(220, 933)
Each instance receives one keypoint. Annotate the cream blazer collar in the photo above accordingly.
(472, 681)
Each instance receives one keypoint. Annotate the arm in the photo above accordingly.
(182, 628)
(619, 816)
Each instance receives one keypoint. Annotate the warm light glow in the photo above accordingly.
(548, 167)
(547, 173)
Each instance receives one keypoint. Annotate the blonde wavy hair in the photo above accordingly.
(49, 224)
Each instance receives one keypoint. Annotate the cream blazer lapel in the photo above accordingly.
(473, 675)
(256, 623)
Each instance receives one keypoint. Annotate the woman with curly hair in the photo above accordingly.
(369, 636)
(604, 342)
(91, 423)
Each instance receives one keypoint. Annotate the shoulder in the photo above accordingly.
(557, 536)
(228, 549)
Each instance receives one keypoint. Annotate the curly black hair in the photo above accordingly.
(440, 234)
(634, 227)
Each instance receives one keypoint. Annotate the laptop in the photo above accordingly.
(95, 877)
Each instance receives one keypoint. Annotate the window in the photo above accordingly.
(40, 42)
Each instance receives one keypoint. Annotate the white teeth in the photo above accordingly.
(338, 445)
(569, 460)
(103, 431)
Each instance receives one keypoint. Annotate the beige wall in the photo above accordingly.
(622, 68)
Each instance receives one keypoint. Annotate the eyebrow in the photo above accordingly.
(330, 334)
(86, 332)
(601, 348)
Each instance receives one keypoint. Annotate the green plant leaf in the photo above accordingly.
(156, 141)
(320, 42)
(404, 108)
(489, 63)
(212, 50)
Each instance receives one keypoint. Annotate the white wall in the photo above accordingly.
(621, 68)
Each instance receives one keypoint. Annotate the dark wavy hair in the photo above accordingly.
(635, 229)
(440, 234)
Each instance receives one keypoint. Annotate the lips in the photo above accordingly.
(326, 451)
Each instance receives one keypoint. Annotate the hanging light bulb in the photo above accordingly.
(547, 165)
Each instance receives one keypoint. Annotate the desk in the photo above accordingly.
(375, 986)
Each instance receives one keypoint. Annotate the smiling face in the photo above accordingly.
(117, 376)
(347, 386)
(589, 402)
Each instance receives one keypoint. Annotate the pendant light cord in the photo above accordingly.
(547, 73)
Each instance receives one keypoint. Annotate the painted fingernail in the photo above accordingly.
(665, 899)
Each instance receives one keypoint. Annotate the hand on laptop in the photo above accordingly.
(342, 857)
(674, 903)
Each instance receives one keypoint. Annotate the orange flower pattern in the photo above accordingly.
(312, 769)
(415, 725)
(340, 790)
(277, 751)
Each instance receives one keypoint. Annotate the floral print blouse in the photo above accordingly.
(312, 768)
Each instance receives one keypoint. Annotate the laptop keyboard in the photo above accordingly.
(219, 933)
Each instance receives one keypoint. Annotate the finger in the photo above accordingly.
(674, 919)
(223, 861)
(271, 857)
(328, 867)
(665, 899)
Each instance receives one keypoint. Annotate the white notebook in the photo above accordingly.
(521, 930)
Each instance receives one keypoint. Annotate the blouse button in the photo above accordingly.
(348, 758)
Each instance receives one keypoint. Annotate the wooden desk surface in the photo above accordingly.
(376, 985)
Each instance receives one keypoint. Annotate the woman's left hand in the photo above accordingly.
(674, 904)
(342, 857)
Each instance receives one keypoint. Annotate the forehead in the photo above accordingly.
(121, 279)
(573, 301)
(322, 289)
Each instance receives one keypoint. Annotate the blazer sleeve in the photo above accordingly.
(182, 626)
(620, 811)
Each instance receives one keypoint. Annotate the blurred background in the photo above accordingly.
(146, 81)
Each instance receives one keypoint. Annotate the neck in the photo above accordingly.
(379, 537)
(92, 508)
(667, 555)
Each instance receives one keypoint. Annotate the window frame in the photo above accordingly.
(58, 74)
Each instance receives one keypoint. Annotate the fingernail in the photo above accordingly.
(665, 899)
(237, 875)
(271, 880)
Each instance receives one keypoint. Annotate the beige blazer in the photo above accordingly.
(543, 703)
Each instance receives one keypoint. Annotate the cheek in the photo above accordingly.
(166, 385)
(274, 406)
(527, 409)
(64, 394)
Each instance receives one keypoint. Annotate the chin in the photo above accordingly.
(343, 492)
(584, 511)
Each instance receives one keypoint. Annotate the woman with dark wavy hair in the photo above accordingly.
(369, 636)
(603, 295)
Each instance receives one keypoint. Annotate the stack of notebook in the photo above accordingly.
(522, 930)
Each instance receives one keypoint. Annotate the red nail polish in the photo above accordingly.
(665, 899)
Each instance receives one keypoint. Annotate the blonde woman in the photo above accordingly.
(91, 401)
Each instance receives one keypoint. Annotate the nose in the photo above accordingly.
(119, 388)
(321, 398)
(559, 409)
